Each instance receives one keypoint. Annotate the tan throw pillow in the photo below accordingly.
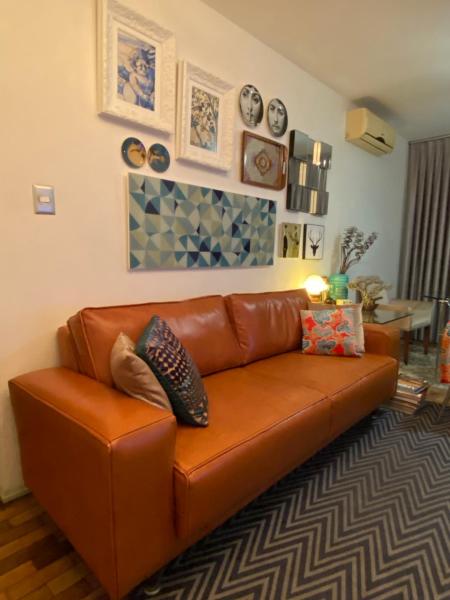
(359, 329)
(357, 318)
(133, 376)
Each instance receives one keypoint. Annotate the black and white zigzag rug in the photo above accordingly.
(366, 518)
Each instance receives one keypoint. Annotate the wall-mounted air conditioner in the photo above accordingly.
(369, 132)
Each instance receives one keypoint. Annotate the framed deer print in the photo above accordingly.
(313, 237)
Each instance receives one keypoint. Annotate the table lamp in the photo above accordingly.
(316, 288)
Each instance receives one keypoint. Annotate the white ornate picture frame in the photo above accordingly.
(136, 67)
(205, 118)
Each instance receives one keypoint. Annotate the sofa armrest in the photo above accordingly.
(380, 339)
(101, 463)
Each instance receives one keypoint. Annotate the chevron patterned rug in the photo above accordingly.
(366, 518)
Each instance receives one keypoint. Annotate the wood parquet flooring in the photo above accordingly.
(36, 561)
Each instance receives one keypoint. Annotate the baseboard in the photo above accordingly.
(13, 494)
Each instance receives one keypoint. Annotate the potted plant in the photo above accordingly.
(354, 245)
(369, 289)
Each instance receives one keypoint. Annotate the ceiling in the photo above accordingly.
(392, 56)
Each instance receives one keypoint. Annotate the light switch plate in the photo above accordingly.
(44, 199)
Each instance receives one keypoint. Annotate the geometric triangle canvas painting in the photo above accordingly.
(176, 225)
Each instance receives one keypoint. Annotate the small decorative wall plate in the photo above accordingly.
(158, 158)
(251, 105)
(277, 117)
(133, 152)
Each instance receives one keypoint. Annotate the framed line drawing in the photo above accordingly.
(313, 239)
(135, 67)
(205, 118)
(264, 162)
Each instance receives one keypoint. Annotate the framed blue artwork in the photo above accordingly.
(176, 225)
(205, 118)
(136, 67)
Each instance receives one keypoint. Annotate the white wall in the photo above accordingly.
(51, 134)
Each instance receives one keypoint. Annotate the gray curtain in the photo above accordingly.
(425, 262)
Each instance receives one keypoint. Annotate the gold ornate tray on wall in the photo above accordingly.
(264, 162)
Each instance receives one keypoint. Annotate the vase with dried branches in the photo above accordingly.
(354, 245)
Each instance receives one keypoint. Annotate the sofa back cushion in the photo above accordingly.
(268, 323)
(201, 324)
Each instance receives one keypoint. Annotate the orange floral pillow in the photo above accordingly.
(329, 332)
(445, 355)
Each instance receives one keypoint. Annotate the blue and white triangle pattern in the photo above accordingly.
(177, 226)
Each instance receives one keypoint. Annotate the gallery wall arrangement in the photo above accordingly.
(176, 225)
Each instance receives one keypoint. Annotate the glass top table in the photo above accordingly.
(382, 317)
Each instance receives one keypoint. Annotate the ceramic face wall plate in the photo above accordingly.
(158, 158)
(251, 105)
(133, 152)
(277, 117)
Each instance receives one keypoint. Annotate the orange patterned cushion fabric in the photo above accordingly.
(329, 332)
(445, 355)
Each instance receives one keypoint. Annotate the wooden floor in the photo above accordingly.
(36, 561)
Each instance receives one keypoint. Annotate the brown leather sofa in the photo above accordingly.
(129, 486)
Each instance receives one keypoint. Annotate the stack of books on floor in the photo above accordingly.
(410, 395)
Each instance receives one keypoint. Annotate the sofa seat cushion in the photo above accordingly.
(355, 386)
(259, 430)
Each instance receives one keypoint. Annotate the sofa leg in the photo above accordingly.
(149, 588)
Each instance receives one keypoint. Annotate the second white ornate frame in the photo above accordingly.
(121, 32)
(215, 148)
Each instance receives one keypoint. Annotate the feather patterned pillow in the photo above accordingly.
(175, 371)
(329, 332)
